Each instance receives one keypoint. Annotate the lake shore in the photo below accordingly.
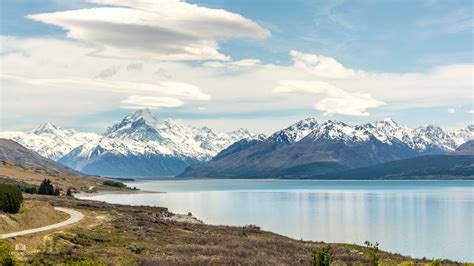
(123, 234)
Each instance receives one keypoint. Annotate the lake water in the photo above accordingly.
(432, 219)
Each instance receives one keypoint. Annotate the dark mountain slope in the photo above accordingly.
(423, 167)
(465, 149)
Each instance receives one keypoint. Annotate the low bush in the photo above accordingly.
(6, 254)
(111, 183)
(10, 198)
(373, 255)
(322, 257)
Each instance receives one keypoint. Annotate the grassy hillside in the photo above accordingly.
(31, 215)
(11, 173)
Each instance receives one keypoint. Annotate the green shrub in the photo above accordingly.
(111, 183)
(373, 255)
(322, 257)
(436, 262)
(10, 198)
(6, 254)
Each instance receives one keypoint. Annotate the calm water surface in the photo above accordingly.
(432, 219)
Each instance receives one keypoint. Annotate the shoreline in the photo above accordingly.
(85, 195)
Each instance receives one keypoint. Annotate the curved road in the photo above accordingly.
(75, 217)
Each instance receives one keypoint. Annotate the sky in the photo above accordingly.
(261, 65)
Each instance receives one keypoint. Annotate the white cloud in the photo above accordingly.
(177, 89)
(322, 66)
(165, 29)
(451, 110)
(62, 72)
(334, 100)
(471, 111)
(136, 102)
(244, 63)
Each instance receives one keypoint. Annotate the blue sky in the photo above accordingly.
(404, 42)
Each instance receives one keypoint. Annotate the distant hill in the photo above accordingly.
(423, 167)
(17, 154)
(20, 165)
(465, 149)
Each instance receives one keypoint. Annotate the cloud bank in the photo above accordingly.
(332, 99)
(165, 29)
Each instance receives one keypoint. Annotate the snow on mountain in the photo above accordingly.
(340, 131)
(142, 133)
(295, 132)
(161, 147)
(49, 140)
(424, 139)
(461, 136)
(427, 138)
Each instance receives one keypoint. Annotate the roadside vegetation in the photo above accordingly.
(10, 198)
(7, 258)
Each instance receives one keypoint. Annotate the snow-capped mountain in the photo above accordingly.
(295, 132)
(424, 139)
(49, 140)
(142, 145)
(308, 147)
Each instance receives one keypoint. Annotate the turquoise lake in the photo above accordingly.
(432, 219)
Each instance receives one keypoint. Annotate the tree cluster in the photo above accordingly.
(47, 188)
(10, 198)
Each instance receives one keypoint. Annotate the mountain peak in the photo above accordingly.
(47, 127)
(144, 114)
(295, 132)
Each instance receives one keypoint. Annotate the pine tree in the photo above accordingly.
(46, 188)
(56, 192)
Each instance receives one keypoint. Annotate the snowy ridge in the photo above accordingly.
(143, 134)
(424, 139)
(49, 140)
(295, 132)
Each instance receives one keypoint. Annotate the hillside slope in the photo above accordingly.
(17, 154)
(423, 167)
(20, 165)
(465, 149)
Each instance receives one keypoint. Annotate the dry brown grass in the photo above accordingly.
(32, 214)
(34, 176)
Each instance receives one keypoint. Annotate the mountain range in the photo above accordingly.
(308, 148)
(140, 145)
